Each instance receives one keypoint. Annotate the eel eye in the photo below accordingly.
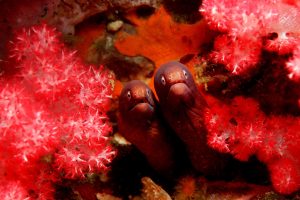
(185, 74)
(129, 95)
(148, 93)
(163, 80)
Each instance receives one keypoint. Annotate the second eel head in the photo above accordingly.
(137, 100)
(174, 85)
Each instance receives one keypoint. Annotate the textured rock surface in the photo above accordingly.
(66, 14)
(152, 191)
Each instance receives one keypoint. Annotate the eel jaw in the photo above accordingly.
(143, 109)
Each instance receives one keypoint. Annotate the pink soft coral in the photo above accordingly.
(12, 190)
(54, 114)
(237, 54)
(293, 65)
(85, 147)
(240, 128)
(248, 27)
(25, 125)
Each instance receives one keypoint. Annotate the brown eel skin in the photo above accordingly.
(140, 122)
(183, 107)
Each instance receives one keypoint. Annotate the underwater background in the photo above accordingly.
(149, 99)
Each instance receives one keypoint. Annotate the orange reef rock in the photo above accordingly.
(161, 39)
(87, 35)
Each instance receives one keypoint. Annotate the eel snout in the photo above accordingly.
(179, 93)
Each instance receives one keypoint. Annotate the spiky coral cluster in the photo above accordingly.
(53, 119)
(251, 34)
(248, 27)
(240, 128)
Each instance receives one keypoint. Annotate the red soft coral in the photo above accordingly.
(13, 190)
(85, 149)
(293, 65)
(248, 27)
(48, 69)
(284, 24)
(241, 23)
(238, 18)
(240, 128)
(285, 175)
(26, 126)
(237, 54)
(54, 114)
(235, 130)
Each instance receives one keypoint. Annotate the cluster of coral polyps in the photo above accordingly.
(242, 129)
(239, 126)
(53, 116)
(247, 27)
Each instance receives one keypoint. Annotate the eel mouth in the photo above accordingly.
(180, 93)
(142, 107)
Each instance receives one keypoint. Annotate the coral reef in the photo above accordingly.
(258, 44)
(238, 98)
(54, 124)
(248, 27)
(243, 130)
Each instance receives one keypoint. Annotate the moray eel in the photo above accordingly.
(140, 123)
(183, 107)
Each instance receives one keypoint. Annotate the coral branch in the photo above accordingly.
(54, 116)
(240, 128)
(248, 27)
